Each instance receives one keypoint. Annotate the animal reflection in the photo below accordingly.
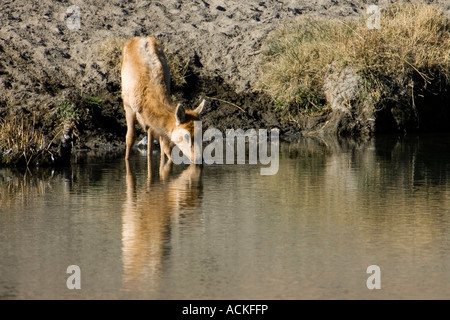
(150, 214)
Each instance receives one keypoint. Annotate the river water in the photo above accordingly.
(227, 232)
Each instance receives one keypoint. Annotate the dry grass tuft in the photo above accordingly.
(412, 47)
(178, 66)
(21, 141)
(110, 53)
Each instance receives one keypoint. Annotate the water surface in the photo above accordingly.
(227, 232)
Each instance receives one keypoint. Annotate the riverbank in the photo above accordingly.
(57, 72)
(388, 72)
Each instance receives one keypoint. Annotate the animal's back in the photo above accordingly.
(144, 71)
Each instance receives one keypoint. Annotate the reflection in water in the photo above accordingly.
(149, 215)
(226, 232)
(387, 202)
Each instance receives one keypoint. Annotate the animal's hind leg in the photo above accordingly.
(130, 117)
(149, 143)
(149, 154)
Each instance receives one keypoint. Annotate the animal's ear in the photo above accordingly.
(180, 114)
(201, 107)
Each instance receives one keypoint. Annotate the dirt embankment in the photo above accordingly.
(47, 57)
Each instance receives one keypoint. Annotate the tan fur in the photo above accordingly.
(146, 95)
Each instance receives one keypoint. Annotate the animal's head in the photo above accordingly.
(183, 134)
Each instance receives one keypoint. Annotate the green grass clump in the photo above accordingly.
(93, 102)
(80, 111)
(68, 111)
(411, 48)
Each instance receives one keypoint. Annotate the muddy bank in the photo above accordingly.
(51, 58)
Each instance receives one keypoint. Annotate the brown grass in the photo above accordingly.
(21, 141)
(109, 52)
(412, 46)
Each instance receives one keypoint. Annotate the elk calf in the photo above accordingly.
(146, 98)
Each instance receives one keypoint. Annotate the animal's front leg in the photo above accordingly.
(164, 167)
(149, 150)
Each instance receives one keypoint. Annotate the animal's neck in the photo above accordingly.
(159, 113)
